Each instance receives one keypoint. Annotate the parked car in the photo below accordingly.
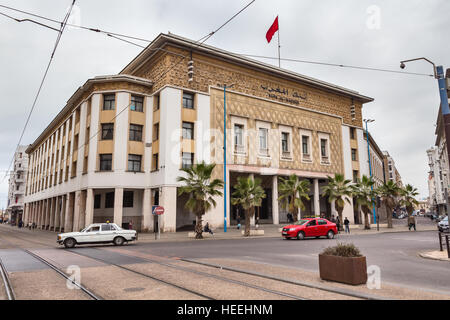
(305, 228)
(97, 233)
(443, 225)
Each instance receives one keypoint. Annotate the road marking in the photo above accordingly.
(412, 239)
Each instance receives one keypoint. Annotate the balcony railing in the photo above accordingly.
(286, 155)
(240, 149)
(264, 152)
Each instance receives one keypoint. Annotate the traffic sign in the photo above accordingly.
(157, 210)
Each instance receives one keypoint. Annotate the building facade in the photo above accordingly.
(17, 185)
(117, 147)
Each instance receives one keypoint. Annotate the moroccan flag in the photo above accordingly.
(272, 30)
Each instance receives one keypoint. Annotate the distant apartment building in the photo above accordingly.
(438, 161)
(17, 185)
(118, 146)
(390, 170)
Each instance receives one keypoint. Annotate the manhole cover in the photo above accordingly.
(133, 289)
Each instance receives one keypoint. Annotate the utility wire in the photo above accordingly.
(28, 20)
(338, 65)
(114, 35)
(61, 30)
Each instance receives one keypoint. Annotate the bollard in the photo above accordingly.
(448, 247)
(440, 242)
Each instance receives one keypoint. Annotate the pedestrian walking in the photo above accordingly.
(207, 228)
(338, 224)
(347, 225)
(411, 222)
(130, 225)
(238, 220)
(290, 217)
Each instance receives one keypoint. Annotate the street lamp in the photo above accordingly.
(370, 165)
(225, 87)
(440, 77)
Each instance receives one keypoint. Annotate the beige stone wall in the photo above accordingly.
(209, 71)
(253, 109)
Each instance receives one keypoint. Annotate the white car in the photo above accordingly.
(97, 233)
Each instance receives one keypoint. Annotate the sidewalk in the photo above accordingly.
(270, 231)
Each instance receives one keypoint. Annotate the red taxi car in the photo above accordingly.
(305, 228)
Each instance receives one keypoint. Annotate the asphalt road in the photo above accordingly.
(395, 253)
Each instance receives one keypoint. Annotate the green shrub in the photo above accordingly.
(343, 250)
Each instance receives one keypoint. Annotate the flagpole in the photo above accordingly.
(279, 58)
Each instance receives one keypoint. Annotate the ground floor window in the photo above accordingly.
(109, 200)
(128, 199)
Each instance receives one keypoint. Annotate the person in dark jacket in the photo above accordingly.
(207, 228)
(238, 220)
(347, 225)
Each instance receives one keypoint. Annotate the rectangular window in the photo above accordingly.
(135, 132)
(74, 170)
(107, 131)
(156, 103)
(109, 101)
(323, 148)
(354, 155)
(155, 165)
(355, 176)
(352, 133)
(188, 160)
(128, 199)
(109, 200)
(239, 138)
(305, 145)
(188, 130)
(134, 162)
(188, 100)
(105, 162)
(285, 142)
(137, 103)
(97, 201)
(263, 136)
(155, 131)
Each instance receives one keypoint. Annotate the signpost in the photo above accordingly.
(158, 211)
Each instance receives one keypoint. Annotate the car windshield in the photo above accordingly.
(301, 222)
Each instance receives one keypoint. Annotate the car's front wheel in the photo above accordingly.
(69, 243)
(119, 241)
(300, 235)
(330, 234)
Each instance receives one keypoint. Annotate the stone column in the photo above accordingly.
(57, 221)
(76, 211)
(168, 199)
(89, 207)
(63, 212)
(68, 223)
(118, 206)
(47, 213)
(316, 198)
(275, 213)
(82, 217)
(52, 213)
(147, 219)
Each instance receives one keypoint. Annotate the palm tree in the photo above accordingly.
(201, 191)
(389, 193)
(249, 194)
(339, 190)
(292, 191)
(408, 194)
(364, 195)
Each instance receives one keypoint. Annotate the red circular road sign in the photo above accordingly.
(158, 210)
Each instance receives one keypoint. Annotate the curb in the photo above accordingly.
(425, 256)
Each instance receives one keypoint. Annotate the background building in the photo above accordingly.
(118, 145)
(17, 184)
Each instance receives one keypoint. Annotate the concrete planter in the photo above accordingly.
(204, 234)
(254, 232)
(343, 269)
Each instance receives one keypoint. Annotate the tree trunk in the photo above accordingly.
(295, 212)
(389, 215)
(199, 227)
(247, 222)
(366, 218)
(339, 210)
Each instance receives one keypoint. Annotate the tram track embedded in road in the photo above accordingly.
(6, 282)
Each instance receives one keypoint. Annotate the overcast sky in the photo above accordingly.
(343, 32)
